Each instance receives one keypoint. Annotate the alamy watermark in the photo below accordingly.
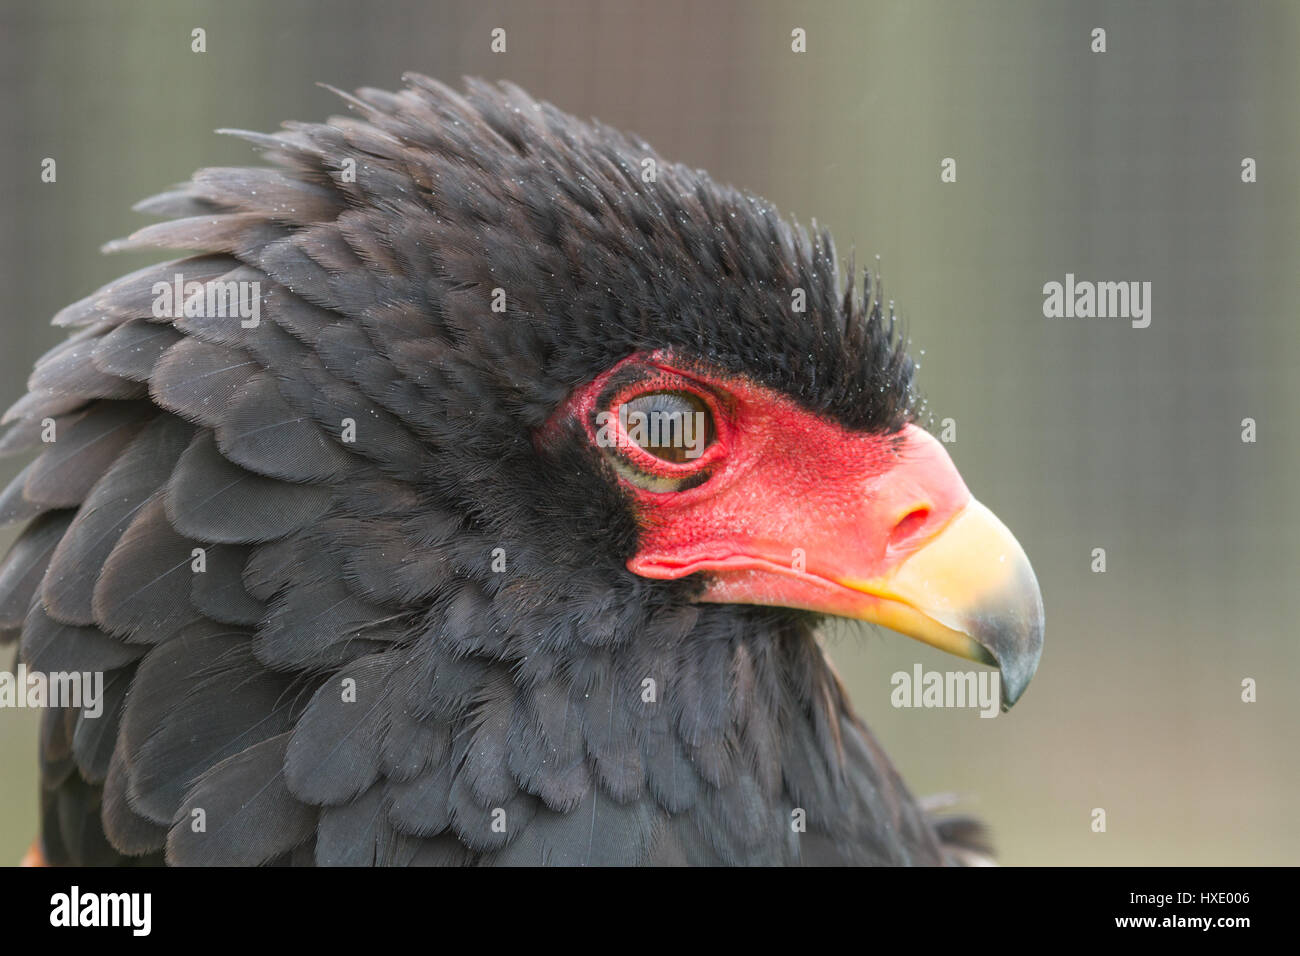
(922, 688)
(653, 429)
(1073, 299)
(133, 911)
(214, 299)
(83, 690)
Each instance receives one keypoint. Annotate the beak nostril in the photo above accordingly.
(909, 526)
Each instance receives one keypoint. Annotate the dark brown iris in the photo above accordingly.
(675, 427)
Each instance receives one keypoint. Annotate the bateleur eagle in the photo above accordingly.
(396, 574)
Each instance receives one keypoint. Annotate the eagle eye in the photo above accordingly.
(673, 426)
(659, 432)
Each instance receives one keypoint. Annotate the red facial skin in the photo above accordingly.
(779, 478)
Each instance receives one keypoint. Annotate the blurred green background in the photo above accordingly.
(1079, 434)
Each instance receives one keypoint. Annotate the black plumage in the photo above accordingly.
(348, 468)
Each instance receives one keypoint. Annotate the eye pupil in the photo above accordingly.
(675, 427)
